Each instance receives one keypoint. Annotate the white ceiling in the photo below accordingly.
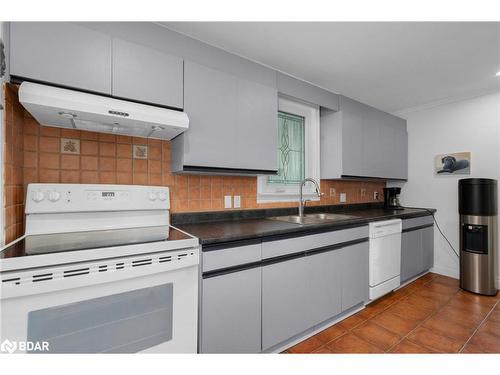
(392, 66)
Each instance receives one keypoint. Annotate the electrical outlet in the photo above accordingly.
(375, 195)
(333, 192)
(363, 193)
(236, 201)
(343, 197)
(228, 202)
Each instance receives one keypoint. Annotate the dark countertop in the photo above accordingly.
(222, 231)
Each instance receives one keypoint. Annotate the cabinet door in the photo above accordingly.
(147, 75)
(285, 295)
(231, 313)
(354, 274)
(257, 134)
(211, 102)
(375, 143)
(427, 248)
(411, 254)
(352, 137)
(298, 294)
(324, 286)
(61, 53)
(400, 157)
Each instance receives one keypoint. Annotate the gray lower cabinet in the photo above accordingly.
(232, 123)
(148, 75)
(354, 275)
(427, 248)
(417, 251)
(411, 254)
(61, 53)
(231, 313)
(298, 294)
(279, 297)
(285, 296)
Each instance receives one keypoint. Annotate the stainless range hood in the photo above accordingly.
(53, 106)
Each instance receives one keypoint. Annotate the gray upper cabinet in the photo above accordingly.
(257, 133)
(145, 74)
(61, 53)
(305, 91)
(232, 123)
(210, 101)
(231, 313)
(362, 141)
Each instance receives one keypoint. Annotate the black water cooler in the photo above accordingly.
(477, 205)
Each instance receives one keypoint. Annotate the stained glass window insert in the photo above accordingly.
(291, 149)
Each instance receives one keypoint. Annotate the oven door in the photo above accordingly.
(144, 303)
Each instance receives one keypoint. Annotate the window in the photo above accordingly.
(298, 153)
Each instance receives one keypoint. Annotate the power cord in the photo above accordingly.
(437, 226)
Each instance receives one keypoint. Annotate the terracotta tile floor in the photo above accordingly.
(430, 315)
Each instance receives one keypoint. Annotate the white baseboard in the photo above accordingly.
(445, 271)
(450, 272)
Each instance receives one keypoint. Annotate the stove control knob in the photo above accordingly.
(54, 196)
(162, 196)
(152, 196)
(37, 196)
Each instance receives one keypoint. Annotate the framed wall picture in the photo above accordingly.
(453, 163)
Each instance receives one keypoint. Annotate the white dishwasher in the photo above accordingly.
(385, 257)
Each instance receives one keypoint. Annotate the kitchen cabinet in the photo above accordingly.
(417, 248)
(411, 254)
(259, 294)
(285, 301)
(231, 313)
(298, 294)
(147, 75)
(362, 141)
(354, 275)
(60, 53)
(427, 248)
(296, 88)
(232, 124)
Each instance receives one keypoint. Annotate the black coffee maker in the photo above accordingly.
(391, 198)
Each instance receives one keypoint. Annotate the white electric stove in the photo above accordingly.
(99, 270)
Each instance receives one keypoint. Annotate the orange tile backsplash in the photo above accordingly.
(32, 154)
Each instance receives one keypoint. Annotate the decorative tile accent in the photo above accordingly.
(140, 152)
(70, 146)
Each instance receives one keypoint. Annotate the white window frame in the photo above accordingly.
(268, 193)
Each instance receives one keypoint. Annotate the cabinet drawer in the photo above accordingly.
(417, 222)
(230, 257)
(296, 244)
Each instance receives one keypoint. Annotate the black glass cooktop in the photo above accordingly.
(61, 242)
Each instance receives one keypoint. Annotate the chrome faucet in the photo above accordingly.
(302, 202)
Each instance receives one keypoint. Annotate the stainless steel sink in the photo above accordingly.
(312, 218)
